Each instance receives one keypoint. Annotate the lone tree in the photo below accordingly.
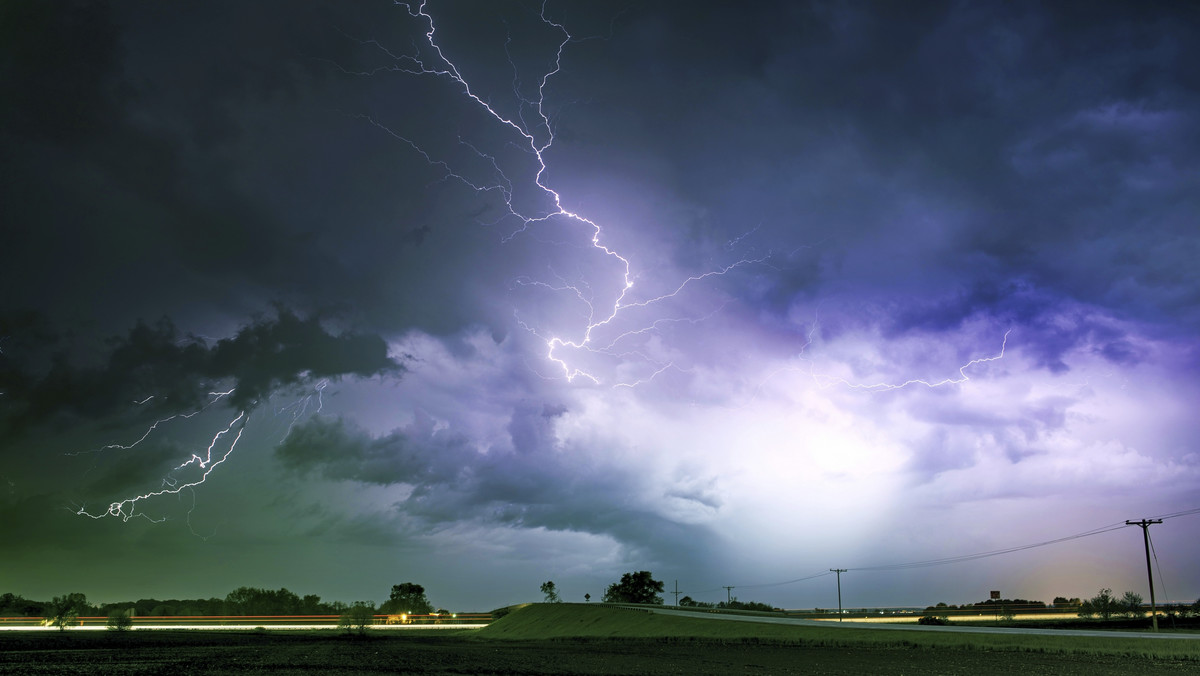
(64, 610)
(120, 619)
(551, 592)
(1131, 605)
(408, 598)
(637, 587)
(1102, 604)
(357, 617)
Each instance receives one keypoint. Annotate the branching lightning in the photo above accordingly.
(536, 139)
(215, 397)
(826, 381)
(299, 407)
(600, 332)
(127, 508)
(196, 469)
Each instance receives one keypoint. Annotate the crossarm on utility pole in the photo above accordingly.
(1145, 524)
(839, 572)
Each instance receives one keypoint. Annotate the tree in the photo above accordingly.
(64, 610)
(12, 605)
(357, 617)
(1102, 604)
(637, 587)
(407, 598)
(551, 592)
(1131, 605)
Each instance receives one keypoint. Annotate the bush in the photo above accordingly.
(931, 619)
(119, 620)
(1131, 605)
(1102, 604)
(357, 617)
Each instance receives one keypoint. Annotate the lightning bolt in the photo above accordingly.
(204, 462)
(537, 138)
(827, 381)
(216, 396)
(127, 508)
(299, 407)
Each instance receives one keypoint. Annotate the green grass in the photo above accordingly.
(567, 621)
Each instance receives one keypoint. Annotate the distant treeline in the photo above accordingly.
(1022, 604)
(241, 601)
(732, 604)
(1103, 605)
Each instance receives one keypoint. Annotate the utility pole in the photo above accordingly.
(728, 598)
(1145, 524)
(839, 572)
(676, 593)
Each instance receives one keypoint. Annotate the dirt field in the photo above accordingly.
(172, 652)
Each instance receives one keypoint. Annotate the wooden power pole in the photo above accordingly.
(1145, 524)
(839, 572)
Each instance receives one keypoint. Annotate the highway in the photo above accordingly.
(238, 627)
(920, 627)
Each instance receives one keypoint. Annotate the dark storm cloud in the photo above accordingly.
(180, 371)
(918, 178)
(1050, 326)
(534, 484)
(924, 146)
(139, 168)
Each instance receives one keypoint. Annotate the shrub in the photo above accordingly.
(1102, 604)
(357, 617)
(119, 619)
(931, 619)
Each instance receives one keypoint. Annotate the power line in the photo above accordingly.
(1172, 515)
(995, 552)
(964, 557)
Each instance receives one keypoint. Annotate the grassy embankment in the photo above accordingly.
(591, 622)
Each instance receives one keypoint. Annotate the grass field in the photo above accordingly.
(585, 641)
(541, 621)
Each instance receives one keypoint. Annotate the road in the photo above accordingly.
(921, 627)
(239, 627)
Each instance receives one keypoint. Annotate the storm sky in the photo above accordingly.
(334, 296)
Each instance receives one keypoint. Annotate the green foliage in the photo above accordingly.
(254, 601)
(735, 604)
(551, 592)
(1131, 605)
(934, 620)
(574, 621)
(12, 605)
(120, 620)
(357, 617)
(639, 587)
(1102, 604)
(62, 611)
(407, 598)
